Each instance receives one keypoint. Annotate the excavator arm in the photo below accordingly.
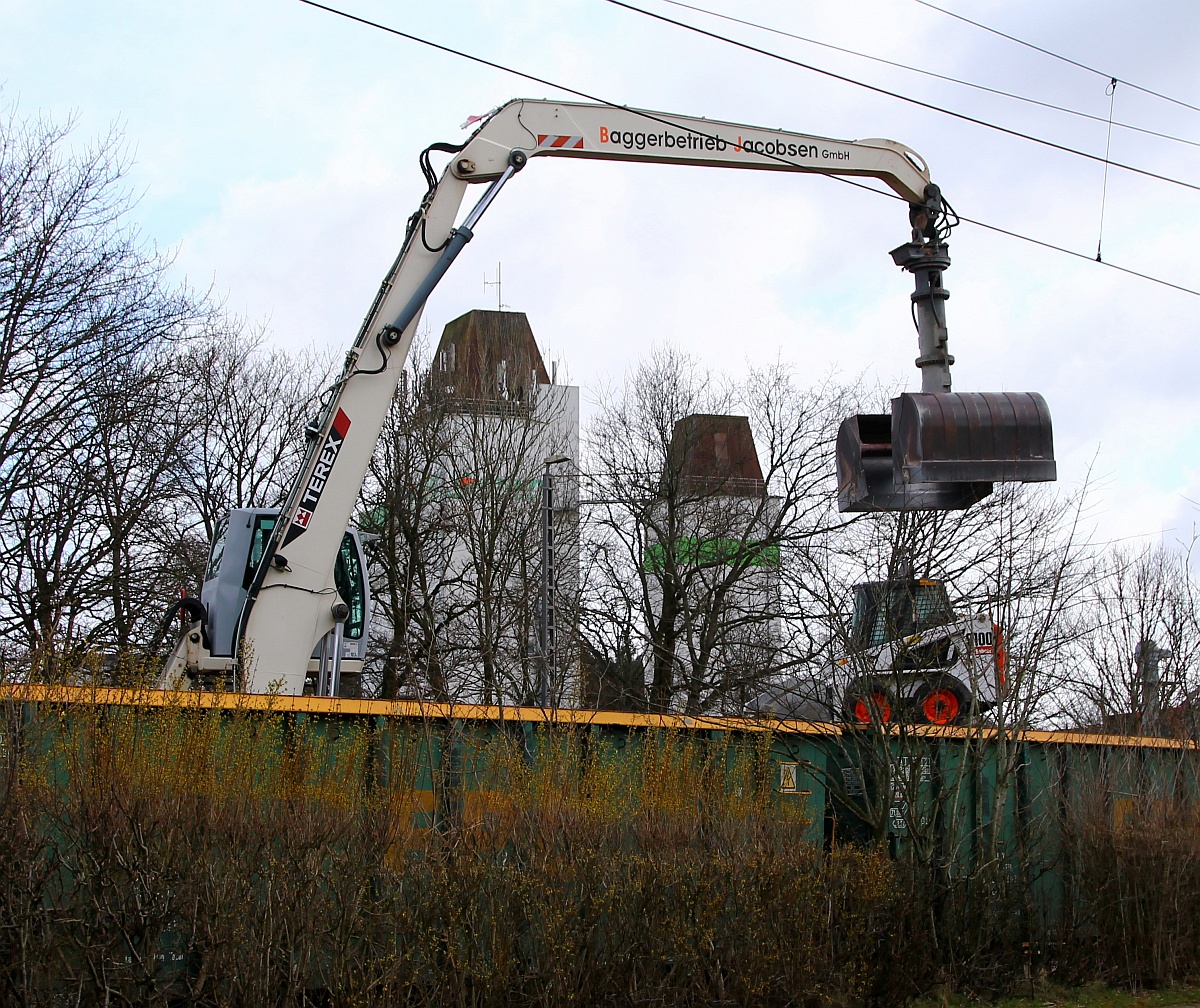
(291, 602)
(564, 129)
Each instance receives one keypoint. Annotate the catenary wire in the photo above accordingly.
(930, 73)
(1071, 252)
(895, 94)
(648, 115)
(1033, 241)
(1057, 56)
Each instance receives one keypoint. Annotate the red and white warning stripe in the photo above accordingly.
(561, 142)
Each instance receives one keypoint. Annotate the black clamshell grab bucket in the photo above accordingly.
(943, 451)
(997, 437)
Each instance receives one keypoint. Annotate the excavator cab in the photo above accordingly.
(943, 451)
(235, 554)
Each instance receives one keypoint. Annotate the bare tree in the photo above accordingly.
(689, 557)
(87, 319)
(90, 544)
(78, 289)
(405, 506)
(1134, 667)
(50, 546)
(968, 847)
(246, 406)
(135, 413)
(454, 497)
(1021, 557)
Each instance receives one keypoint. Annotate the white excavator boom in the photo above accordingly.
(566, 129)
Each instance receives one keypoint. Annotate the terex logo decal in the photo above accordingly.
(320, 476)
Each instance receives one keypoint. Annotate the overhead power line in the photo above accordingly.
(901, 97)
(650, 116)
(930, 73)
(1078, 255)
(1058, 56)
(1032, 241)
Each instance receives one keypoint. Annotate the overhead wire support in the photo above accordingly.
(1112, 97)
(930, 73)
(960, 219)
(895, 94)
(1058, 56)
(653, 118)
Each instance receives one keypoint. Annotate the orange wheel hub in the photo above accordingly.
(873, 705)
(941, 706)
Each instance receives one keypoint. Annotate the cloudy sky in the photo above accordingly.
(275, 156)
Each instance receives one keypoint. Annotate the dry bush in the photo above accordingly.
(188, 858)
(1133, 916)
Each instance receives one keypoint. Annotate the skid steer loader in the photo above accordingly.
(906, 656)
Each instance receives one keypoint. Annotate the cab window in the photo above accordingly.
(263, 526)
(216, 551)
(348, 577)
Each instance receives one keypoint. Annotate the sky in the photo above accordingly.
(274, 154)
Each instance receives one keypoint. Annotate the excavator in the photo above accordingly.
(282, 609)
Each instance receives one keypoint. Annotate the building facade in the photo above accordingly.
(711, 569)
(491, 416)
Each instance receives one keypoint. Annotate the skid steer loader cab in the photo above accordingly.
(890, 610)
(236, 552)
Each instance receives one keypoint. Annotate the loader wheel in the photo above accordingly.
(869, 703)
(940, 704)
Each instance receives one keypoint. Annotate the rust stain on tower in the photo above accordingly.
(488, 357)
(715, 454)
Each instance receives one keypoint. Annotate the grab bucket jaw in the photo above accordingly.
(943, 451)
